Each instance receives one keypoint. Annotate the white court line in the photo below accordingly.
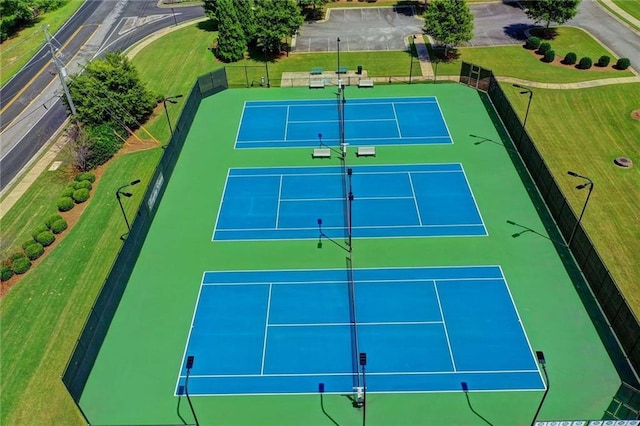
(370, 120)
(342, 199)
(244, 106)
(339, 173)
(358, 138)
(224, 190)
(323, 282)
(266, 330)
(286, 124)
(444, 121)
(446, 332)
(475, 203)
(454, 225)
(415, 199)
(395, 115)
(386, 373)
(279, 202)
(359, 323)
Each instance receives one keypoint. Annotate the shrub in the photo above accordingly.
(73, 185)
(58, 226)
(544, 47)
(585, 63)
(570, 58)
(80, 195)
(104, 144)
(623, 63)
(533, 43)
(85, 176)
(603, 61)
(28, 243)
(51, 219)
(22, 265)
(549, 56)
(39, 229)
(15, 256)
(84, 184)
(34, 251)
(65, 203)
(46, 238)
(5, 272)
(67, 192)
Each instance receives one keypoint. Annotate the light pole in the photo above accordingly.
(266, 62)
(120, 192)
(338, 41)
(542, 362)
(525, 90)
(172, 100)
(588, 184)
(413, 49)
(189, 366)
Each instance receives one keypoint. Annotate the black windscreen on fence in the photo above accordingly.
(104, 307)
(603, 286)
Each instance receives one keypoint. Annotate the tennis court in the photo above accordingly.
(416, 200)
(424, 330)
(305, 123)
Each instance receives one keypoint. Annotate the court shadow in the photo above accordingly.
(324, 411)
(526, 229)
(465, 389)
(180, 392)
(482, 139)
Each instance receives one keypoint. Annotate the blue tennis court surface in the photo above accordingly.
(384, 121)
(416, 200)
(423, 329)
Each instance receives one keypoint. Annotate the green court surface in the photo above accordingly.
(134, 377)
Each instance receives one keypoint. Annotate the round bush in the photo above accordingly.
(45, 238)
(38, 229)
(22, 265)
(623, 63)
(544, 47)
(88, 176)
(570, 58)
(80, 195)
(585, 63)
(28, 243)
(603, 61)
(34, 251)
(67, 192)
(84, 184)
(58, 226)
(65, 203)
(5, 272)
(533, 42)
(15, 256)
(51, 219)
(73, 185)
(549, 56)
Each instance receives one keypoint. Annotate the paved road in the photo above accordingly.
(30, 109)
(504, 23)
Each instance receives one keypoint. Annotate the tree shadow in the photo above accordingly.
(441, 54)
(544, 33)
(513, 3)
(516, 31)
(208, 26)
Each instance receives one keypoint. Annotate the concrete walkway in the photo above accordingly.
(614, 7)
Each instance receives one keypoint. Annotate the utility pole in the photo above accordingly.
(62, 71)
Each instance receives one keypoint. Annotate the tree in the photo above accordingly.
(231, 38)
(278, 20)
(16, 14)
(211, 11)
(110, 91)
(245, 11)
(312, 8)
(449, 22)
(548, 11)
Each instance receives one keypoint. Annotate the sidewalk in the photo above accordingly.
(611, 5)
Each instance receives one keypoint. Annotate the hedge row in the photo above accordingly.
(544, 48)
(76, 192)
(44, 234)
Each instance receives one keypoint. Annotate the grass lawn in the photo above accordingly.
(582, 130)
(632, 7)
(19, 49)
(516, 61)
(620, 17)
(42, 316)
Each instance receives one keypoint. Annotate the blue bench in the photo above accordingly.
(342, 70)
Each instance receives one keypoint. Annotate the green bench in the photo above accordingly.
(342, 70)
(316, 71)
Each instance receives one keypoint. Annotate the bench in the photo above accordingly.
(365, 83)
(316, 84)
(321, 153)
(342, 70)
(316, 71)
(366, 151)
